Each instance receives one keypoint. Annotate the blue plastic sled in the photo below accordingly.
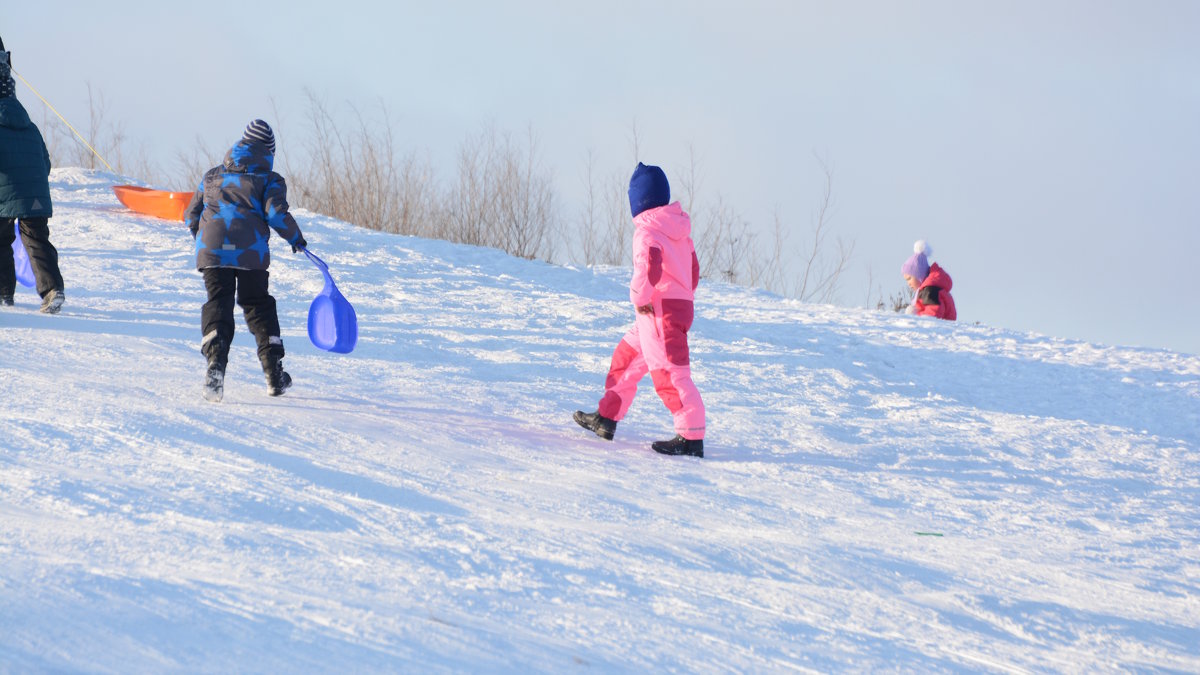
(21, 258)
(332, 324)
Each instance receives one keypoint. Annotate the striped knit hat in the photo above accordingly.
(259, 131)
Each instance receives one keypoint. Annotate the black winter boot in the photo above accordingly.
(216, 351)
(679, 446)
(214, 381)
(604, 427)
(277, 378)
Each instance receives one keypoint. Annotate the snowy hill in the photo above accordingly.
(425, 504)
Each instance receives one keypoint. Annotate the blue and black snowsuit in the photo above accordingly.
(231, 216)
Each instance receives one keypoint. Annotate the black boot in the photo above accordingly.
(679, 446)
(604, 427)
(277, 378)
(216, 351)
(214, 381)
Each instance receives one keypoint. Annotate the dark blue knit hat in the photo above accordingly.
(648, 189)
(259, 131)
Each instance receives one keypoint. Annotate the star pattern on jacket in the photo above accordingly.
(275, 218)
(228, 212)
(239, 197)
(240, 153)
(228, 256)
(260, 247)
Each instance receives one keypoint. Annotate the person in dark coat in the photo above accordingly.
(25, 197)
(231, 216)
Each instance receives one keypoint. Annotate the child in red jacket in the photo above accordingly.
(665, 275)
(930, 282)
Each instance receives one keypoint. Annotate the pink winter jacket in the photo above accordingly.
(665, 266)
(944, 307)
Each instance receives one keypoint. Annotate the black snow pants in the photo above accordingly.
(258, 306)
(43, 257)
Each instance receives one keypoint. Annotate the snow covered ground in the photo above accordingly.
(880, 492)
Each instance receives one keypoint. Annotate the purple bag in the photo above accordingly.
(21, 258)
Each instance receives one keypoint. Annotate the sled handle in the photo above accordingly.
(316, 261)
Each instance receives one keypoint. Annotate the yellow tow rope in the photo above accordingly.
(77, 134)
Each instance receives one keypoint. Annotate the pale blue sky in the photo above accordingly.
(1049, 151)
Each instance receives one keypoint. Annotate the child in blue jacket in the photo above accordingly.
(231, 216)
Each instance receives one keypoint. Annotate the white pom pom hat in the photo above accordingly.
(917, 265)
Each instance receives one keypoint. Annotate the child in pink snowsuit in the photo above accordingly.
(665, 275)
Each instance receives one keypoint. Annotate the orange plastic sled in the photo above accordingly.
(157, 203)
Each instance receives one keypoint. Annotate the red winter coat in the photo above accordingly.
(933, 295)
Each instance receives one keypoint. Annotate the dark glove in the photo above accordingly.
(299, 245)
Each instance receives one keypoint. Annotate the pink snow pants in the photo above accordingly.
(657, 344)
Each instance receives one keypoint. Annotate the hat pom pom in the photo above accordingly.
(921, 246)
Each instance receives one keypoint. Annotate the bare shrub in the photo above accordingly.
(524, 201)
(191, 163)
(584, 247)
(723, 239)
(816, 273)
(110, 148)
(503, 197)
(618, 226)
(823, 267)
(468, 211)
(725, 244)
(604, 231)
(357, 176)
(417, 196)
(899, 301)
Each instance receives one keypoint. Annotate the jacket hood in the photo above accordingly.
(13, 114)
(669, 220)
(246, 157)
(937, 277)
